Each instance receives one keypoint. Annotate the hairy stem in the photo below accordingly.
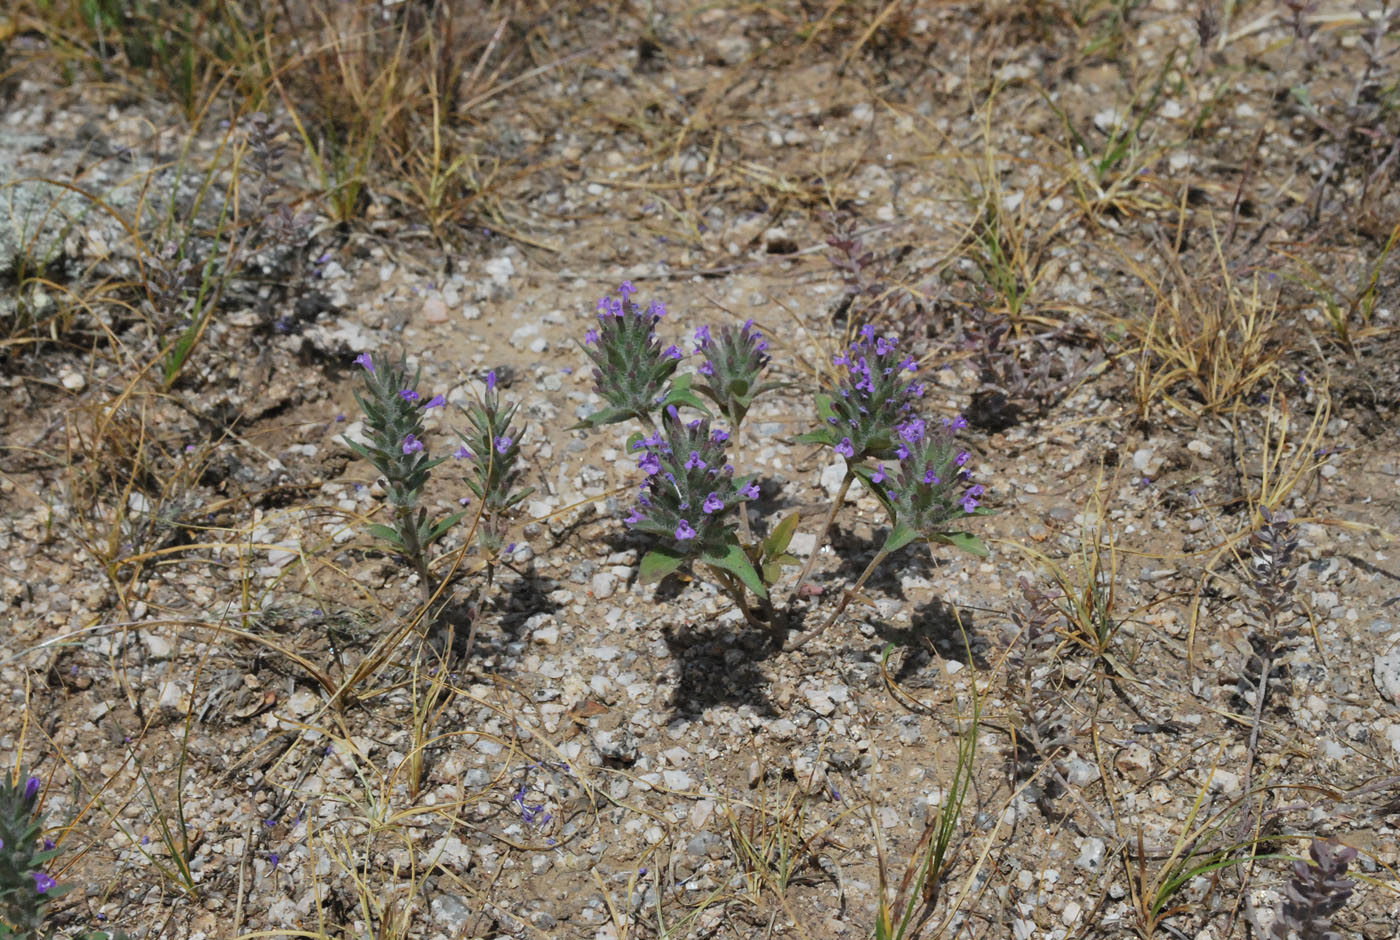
(821, 535)
(846, 599)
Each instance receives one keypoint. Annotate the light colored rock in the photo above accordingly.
(604, 585)
(1385, 672)
(1134, 762)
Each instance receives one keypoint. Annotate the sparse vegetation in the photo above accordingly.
(1099, 291)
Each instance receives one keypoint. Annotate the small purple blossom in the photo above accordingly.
(437, 401)
(694, 461)
(912, 431)
(408, 395)
(962, 458)
(31, 789)
(650, 464)
(364, 359)
(461, 453)
(702, 337)
(673, 352)
(591, 337)
(931, 478)
(627, 289)
(750, 491)
(718, 436)
(635, 517)
(684, 531)
(491, 380)
(43, 881)
(411, 445)
(845, 448)
(879, 475)
(502, 444)
(969, 499)
(712, 504)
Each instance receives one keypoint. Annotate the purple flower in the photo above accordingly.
(879, 475)
(408, 394)
(702, 337)
(707, 368)
(364, 359)
(31, 789)
(461, 453)
(627, 289)
(411, 445)
(959, 423)
(635, 518)
(962, 458)
(931, 478)
(650, 464)
(684, 532)
(846, 448)
(912, 431)
(673, 352)
(502, 445)
(750, 491)
(275, 859)
(591, 337)
(42, 881)
(712, 504)
(694, 461)
(718, 436)
(491, 380)
(969, 500)
(437, 401)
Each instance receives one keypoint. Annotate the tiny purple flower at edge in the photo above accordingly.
(364, 359)
(43, 881)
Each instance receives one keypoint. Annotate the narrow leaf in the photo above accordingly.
(777, 541)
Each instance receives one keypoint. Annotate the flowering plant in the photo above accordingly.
(394, 430)
(688, 504)
(733, 363)
(492, 447)
(632, 372)
(870, 418)
(25, 888)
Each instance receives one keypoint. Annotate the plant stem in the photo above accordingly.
(480, 609)
(846, 599)
(821, 535)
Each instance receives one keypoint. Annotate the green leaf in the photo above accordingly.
(963, 540)
(824, 409)
(819, 436)
(900, 536)
(683, 396)
(633, 439)
(777, 541)
(656, 564)
(600, 418)
(737, 563)
(436, 531)
(385, 533)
